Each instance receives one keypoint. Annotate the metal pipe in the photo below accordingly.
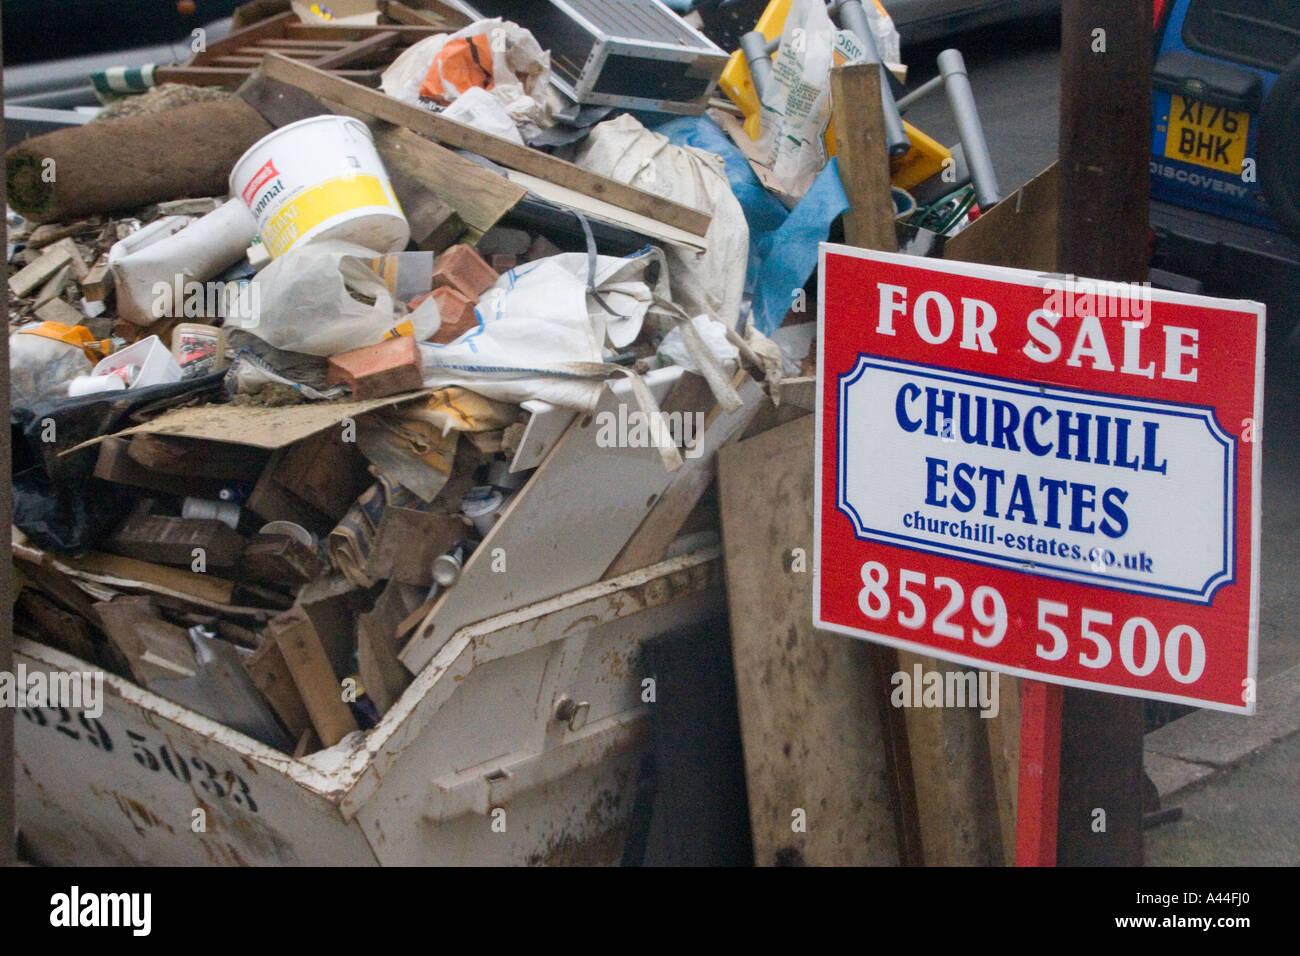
(754, 46)
(925, 89)
(952, 67)
(856, 22)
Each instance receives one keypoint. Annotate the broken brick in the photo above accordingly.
(378, 371)
(457, 313)
(463, 269)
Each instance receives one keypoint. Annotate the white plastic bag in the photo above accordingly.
(324, 298)
(521, 72)
(713, 282)
(478, 108)
(542, 335)
(797, 108)
(674, 347)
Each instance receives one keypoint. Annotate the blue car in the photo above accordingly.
(1227, 113)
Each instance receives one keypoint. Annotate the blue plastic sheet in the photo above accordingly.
(782, 243)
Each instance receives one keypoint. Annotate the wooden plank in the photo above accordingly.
(608, 212)
(810, 725)
(479, 196)
(581, 493)
(279, 559)
(174, 541)
(407, 542)
(439, 15)
(662, 525)
(41, 618)
(340, 31)
(512, 155)
(270, 674)
(382, 674)
(357, 51)
(271, 27)
(956, 797)
(317, 683)
(233, 76)
(277, 43)
(205, 587)
(863, 156)
(239, 61)
(114, 464)
(1004, 754)
(188, 458)
(98, 282)
(401, 13)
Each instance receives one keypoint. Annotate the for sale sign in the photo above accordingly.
(1050, 477)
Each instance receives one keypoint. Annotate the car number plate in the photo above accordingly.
(1207, 135)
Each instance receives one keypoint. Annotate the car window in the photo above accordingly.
(1263, 33)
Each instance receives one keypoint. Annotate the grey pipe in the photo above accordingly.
(754, 46)
(856, 22)
(952, 66)
(925, 89)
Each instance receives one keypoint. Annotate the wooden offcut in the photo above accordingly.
(863, 156)
(814, 742)
(357, 52)
(460, 136)
(176, 541)
(316, 680)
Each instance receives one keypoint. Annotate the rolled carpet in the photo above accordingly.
(121, 164)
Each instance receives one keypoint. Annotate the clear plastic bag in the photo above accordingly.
(325, 298)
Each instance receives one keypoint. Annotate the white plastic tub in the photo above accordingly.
(320, 178)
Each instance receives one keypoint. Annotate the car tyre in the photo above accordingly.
(1279, 134)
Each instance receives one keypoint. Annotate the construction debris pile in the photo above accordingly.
(307, 338)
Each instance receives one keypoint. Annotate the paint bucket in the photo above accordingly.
(320, 178)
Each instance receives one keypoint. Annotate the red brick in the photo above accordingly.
(457, 313)
(377, 371)
(463, 269)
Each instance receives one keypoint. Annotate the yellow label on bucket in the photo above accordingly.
(320, 204)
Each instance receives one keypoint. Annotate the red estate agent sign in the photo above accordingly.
(1050, 478)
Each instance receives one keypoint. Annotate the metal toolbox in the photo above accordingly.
(636, 54)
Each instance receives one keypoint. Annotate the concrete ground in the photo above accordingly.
(1237, 779)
